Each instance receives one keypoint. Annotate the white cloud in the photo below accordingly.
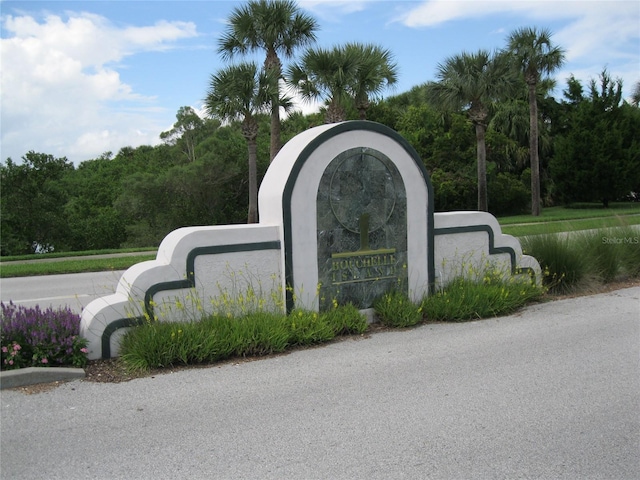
(595, 33)
(333, 10)
(61, 90)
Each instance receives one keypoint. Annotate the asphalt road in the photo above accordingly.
(552, 392)
(74, 290)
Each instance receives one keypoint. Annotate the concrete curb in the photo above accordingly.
(32, 375)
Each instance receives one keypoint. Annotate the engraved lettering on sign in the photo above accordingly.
(351, 267)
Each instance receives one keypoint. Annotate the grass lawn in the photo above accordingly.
(73, 265)
(563, 219)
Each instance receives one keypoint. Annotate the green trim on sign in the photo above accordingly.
(493, 250)
(188, 282)
(111, 329)
(304, 156)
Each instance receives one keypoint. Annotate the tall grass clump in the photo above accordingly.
(396, 309)
(470, 299)
(32, 337)
(577, 262)
(218, 337)
(564, 267)
(345, 319)
(604, 260)
(626, 241)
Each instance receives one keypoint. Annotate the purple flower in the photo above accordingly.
(51, 333)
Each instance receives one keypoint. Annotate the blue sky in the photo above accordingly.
(80, 78)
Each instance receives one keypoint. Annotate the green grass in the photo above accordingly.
(570, 219)
(84, 253)
(79, 265)
(550, 214)
(559, 226)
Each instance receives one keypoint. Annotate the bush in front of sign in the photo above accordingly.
(466, 299)
(395, 309)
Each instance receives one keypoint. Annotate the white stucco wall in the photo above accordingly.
(470, 247)
(170, 266)
(199, 269)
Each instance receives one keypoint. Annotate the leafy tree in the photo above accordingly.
(597, 153)
(453, 190)
(92, 221)
(534, 56)
(473, 82)
(241, 92)
(635, 95)
(32, 204)
(391, 109)
(276, 27)
(509, 195)
(185, 132)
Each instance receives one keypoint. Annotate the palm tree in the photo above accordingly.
(511, 118)
(327, 74)
(277, 27)
(240, 92)
(534, 55)
(376, 70)
(473, 82)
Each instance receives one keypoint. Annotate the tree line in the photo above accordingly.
(489, 132)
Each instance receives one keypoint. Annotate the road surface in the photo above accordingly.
(552, 392)
(74, 290)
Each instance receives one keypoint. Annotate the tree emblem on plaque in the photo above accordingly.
(361, 215)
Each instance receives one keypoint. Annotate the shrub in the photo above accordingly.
(217, 337)
(261, 333)
(307, 328)
(573, 262)
(345, 320)
(507, 194)
(466, 299)
(564, 267)
(453, 191)
(32, 337)
(397, 310)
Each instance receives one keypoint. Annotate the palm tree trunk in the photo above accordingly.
(275, 131)
(272, 63)
(533, 151)
(335, 113)
(481, 155)
(252, 145)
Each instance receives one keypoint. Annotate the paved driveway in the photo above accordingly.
(551, 392)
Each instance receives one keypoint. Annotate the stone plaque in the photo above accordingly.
(362, 229)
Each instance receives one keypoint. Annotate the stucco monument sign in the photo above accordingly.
(346, 214)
